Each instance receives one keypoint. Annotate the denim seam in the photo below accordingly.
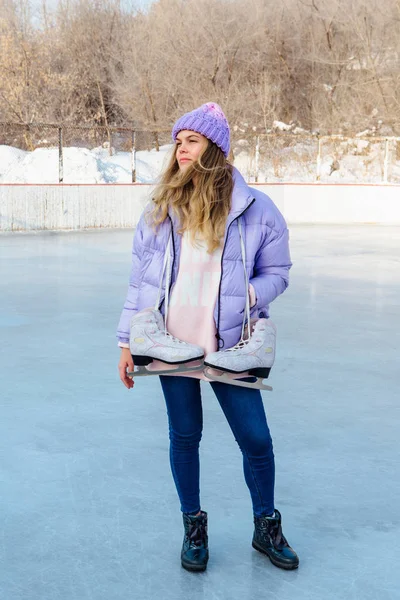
(251, 468)
(176, 479)
(178, 489)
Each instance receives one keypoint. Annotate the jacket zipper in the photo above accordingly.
(173, 257)
(219, 338)
(173, 261)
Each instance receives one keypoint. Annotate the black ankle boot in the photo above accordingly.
(194, 555)
(269, 539)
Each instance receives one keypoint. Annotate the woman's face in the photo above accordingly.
(189, 146)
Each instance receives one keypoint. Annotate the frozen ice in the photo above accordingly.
(88, 509)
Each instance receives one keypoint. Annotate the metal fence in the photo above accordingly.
(43, 153)
(326, 159)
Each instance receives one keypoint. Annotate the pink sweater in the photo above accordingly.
(191, 311)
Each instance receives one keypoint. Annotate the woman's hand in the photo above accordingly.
(126, 363)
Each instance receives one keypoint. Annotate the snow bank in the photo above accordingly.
(286, 159)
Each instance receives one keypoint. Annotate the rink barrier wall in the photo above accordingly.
(30, 207)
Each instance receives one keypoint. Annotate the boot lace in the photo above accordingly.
(278, 539)
(272, 531)
(198, 533)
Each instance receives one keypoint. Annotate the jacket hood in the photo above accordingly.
(242, 195)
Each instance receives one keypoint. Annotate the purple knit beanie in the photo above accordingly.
(210, 121)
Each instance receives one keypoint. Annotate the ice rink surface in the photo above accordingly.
(88, 510)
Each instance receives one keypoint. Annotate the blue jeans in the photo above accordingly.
(244, 411)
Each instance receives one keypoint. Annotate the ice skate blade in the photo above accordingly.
(222, 377)
(182, 368)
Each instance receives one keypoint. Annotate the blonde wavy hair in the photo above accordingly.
(203, 208)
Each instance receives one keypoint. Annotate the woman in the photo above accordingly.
(206, 207)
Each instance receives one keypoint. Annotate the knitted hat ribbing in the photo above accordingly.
(210, 121)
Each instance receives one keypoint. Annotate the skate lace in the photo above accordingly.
(165, 332)
(243, 343)
(239, 345)
(174, 339)
(246, 315)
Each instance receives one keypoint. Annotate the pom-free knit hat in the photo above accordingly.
(210, 121)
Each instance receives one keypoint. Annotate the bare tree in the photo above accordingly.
(325, 65)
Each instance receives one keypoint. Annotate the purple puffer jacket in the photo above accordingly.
(267, 261)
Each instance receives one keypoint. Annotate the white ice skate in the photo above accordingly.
(149, 339)
(254, 354)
